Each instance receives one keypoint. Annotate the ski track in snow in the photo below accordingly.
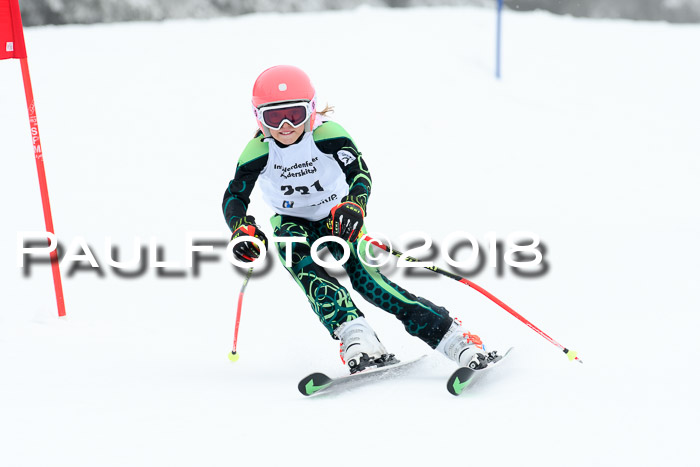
(590, 140)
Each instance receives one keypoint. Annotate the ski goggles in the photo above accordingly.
(274, 116)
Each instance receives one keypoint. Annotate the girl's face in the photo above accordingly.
(287, 134)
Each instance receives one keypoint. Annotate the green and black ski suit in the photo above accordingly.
(301, 183)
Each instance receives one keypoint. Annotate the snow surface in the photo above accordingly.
(590, 140)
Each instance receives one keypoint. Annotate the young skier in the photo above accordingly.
(316, 181)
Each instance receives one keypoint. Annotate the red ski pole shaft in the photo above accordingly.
(238, 311)
(43, 186)
(569, 353)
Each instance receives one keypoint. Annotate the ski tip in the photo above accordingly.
(458, 386)
(459, 380)
(314, 383)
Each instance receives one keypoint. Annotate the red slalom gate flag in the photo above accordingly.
(11, 34)
(12, 46)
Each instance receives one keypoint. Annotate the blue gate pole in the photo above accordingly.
(498, 39)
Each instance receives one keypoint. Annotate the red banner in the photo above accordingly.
(11, 34)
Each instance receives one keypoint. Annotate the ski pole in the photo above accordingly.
(233, 356)
(572, 355)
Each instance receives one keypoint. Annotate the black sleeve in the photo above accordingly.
(237, 195)
(353, 166)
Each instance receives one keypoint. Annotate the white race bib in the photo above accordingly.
(302, 181)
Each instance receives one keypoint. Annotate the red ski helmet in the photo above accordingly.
(283, 83)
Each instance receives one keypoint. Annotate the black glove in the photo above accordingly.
(247, 251)
(346, 220)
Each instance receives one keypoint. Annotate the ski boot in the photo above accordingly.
(465, 348)
(360, 348)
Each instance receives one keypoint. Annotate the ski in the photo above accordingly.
(316, 383)
(464, 376)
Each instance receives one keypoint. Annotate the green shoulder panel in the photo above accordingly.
(330, 130)
(255, 149)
